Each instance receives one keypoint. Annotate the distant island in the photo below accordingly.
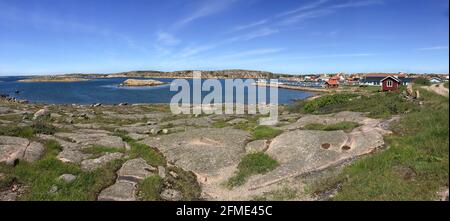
(219, 74)
(54, 79)
(140, 83)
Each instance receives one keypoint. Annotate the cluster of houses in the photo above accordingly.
(388, 82)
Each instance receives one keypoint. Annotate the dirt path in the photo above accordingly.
(437, 88)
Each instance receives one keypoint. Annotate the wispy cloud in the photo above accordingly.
(197, 49)
(357, 3)
(248, 26)
(303, 8)
(166, 38)
(332, 56)
(433, 48)
(314, 11)
(254, 34)
(206, 8)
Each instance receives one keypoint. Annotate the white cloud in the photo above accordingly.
(433, 48)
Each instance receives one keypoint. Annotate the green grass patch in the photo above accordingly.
(186, 183)
(220, 124)
(38, 127)
(16, 131)
(251, 164)
(377, 105)
(150, 188)
(150, 155)
(414, 167)
(345, 126)
(41, 175)
(265, 132)
(446, 84)
(97, 150)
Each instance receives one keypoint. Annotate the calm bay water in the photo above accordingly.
(107, 91)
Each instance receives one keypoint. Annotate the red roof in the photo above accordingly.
(332, 82)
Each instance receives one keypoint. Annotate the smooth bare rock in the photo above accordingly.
(16, 148)
(41, 113)
(12, 148)
(33, 152)
(136, 129)
(204, 151)
(171, 195)
(136, 136)
(8, 195)
(256, 146)
(305, 151)
(162, 171)
(192, 121)
(120, 191)
(87, 138)
(135, 170)
(326, 119)
(92, 164)
(55, 115)
(68, 178)
(72, 156)
(267, 121)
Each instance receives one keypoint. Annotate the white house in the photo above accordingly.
(435, 80)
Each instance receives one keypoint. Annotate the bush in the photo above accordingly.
(422, 81)
(335, 99)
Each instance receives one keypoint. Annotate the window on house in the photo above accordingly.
(389, 83)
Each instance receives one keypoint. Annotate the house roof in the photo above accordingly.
(332, 82)
(391, 77)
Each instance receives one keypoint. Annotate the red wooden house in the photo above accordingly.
(390, 83)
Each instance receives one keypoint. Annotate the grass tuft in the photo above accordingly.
(265, 132)
(251, 164)
(346, 126)
(150, 188)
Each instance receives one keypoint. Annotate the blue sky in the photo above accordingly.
(283, 36)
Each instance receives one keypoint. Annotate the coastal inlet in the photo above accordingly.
(109, 91)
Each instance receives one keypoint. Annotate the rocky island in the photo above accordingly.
(141, 83)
